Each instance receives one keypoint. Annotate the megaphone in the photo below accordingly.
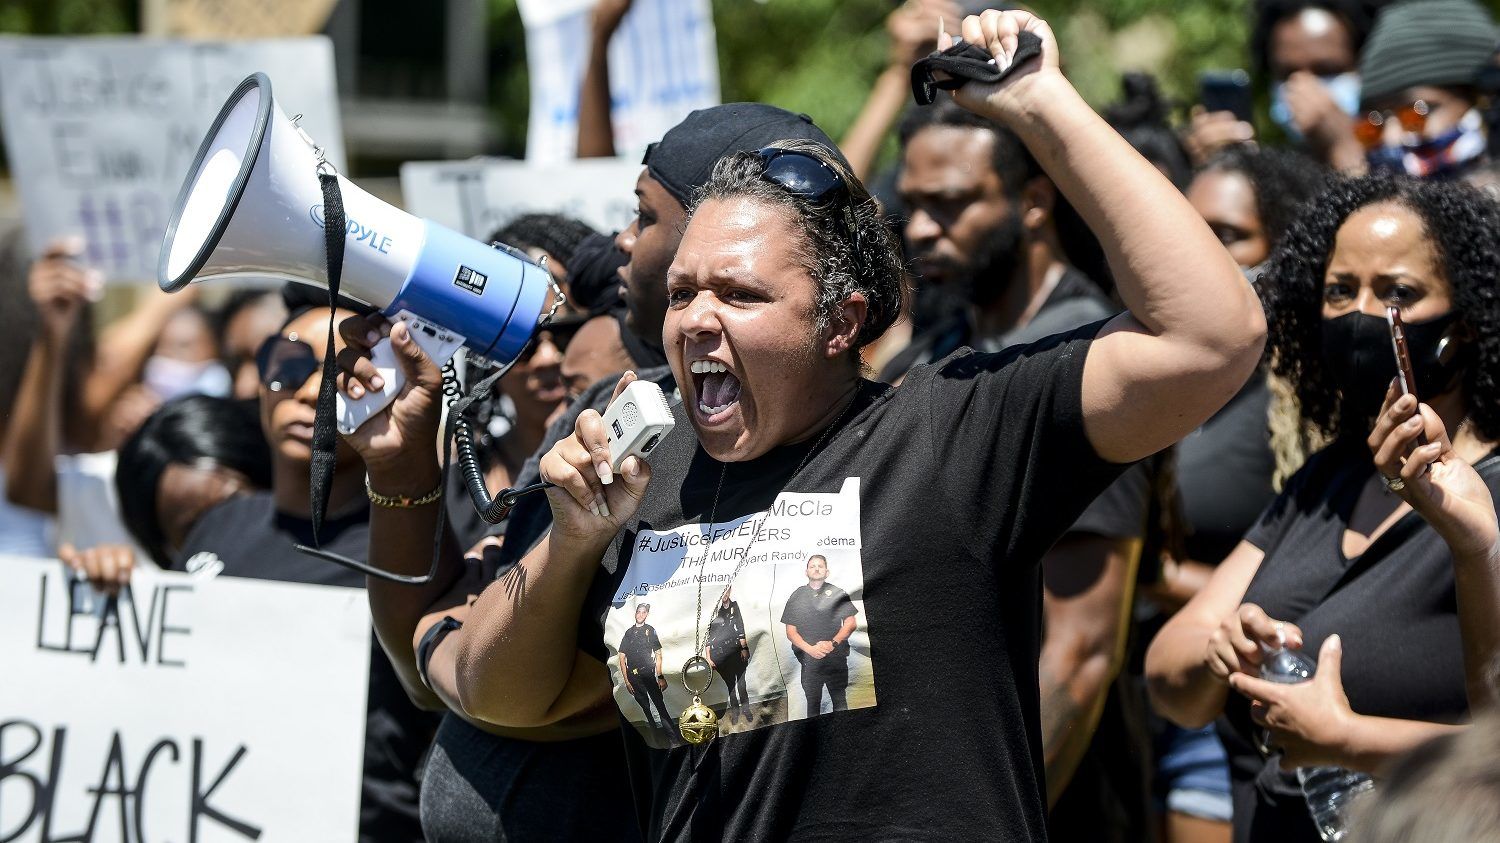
(252, 206)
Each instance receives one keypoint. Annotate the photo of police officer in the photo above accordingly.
(728, 652)
(819, 619)
(640, 665)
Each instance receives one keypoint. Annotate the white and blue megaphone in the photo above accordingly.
(252, 206)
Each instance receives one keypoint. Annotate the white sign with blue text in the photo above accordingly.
(663, 64)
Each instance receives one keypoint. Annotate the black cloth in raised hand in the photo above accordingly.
(965, 62)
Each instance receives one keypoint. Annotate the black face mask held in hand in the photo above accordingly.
(1359, 359)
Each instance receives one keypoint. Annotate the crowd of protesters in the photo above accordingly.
(1114, 396)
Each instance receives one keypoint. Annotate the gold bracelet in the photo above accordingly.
(401, 501)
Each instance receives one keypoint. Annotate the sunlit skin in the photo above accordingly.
(1312, 41)
(739, 297)
(1226, 201)
(1445, 107)
(287, 416)
(649, 241)
(954, 199)
(1382, 256)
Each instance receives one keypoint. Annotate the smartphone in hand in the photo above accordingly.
(1225, 90)
(1406, 379)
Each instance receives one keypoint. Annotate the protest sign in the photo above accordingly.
(663, 63)
(480, 195)
(100, 132)
(186, 709)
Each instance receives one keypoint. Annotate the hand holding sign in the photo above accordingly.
(60, 286)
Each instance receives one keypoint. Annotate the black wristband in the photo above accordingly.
(430, 640)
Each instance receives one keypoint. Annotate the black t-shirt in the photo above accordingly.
(1393, 606)
(818, 615)
(1224, 471)
(933, 504)
(255, 540)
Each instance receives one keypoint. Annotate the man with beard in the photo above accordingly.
(982, 229)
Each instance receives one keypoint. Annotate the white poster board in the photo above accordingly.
(663, 64)
(480, 195)
(100, 132)
(197, 709)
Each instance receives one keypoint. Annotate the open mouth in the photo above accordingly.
(717, 388)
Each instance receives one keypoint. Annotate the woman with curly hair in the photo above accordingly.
(1388, 564)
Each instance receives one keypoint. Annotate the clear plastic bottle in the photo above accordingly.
(1330, 791)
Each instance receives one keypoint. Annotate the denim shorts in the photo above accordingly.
(1192, 773)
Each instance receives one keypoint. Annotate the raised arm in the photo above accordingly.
(913, 29)
(60, 289)
(1195, 329)
(1446, 491)
(596, 134)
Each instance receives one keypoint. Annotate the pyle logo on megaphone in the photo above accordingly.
(369, 236)
(237, 213)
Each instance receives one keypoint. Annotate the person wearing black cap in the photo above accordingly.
(784, 272)
(473, 763)
(1419, 100)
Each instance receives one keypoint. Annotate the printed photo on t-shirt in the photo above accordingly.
(773, 601)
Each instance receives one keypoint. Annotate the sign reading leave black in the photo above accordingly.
(182, 709)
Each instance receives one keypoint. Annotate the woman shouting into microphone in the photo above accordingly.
(828, 503)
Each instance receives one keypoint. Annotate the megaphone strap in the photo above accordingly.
(324, 444)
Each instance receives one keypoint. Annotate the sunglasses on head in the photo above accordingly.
(1371, 129)
(814, 181)
(286, 363)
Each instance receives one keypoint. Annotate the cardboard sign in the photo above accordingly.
(185, 709)
(663, 64)
(478, 196)
(101, 132)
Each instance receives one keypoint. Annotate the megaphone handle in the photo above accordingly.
(438, 343)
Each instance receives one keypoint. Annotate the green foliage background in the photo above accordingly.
(820, 56)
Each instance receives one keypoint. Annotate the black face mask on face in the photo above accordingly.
(1359, 360)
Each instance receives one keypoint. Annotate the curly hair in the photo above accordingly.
(825, 251)
(1460, 221)
(1282, 180)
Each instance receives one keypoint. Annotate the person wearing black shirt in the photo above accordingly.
(476, 764)
(728, 652)
(1382, 567)
(640, 665)
(984, 221)
(254, 535)
(819, 619)
(784, 272)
